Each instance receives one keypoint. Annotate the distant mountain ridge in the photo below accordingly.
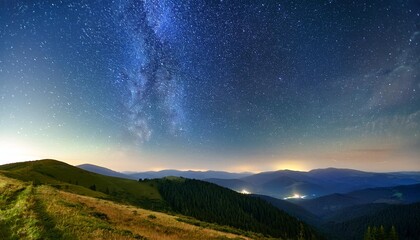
(283, 183)
(103, 171)
(200, 175)
(317, 182)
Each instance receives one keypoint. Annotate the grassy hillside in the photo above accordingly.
(72, 179)
(43, 212)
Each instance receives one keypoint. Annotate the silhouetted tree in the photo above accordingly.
(375, 233)
(393, 233)
(368, 234)
(301, 233)
(381, 233)
(93, 187)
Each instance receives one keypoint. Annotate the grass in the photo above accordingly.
(72, 179)
(30, 211)
(20, 211)
(226, 229)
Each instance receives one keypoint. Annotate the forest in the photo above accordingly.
(211, 203)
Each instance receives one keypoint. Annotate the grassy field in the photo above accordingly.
(29, 211)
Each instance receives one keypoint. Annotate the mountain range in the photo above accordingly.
(283, 183)
(200, 175)
(339, 203)
(315, 183)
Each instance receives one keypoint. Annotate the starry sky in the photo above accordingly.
(223, 85)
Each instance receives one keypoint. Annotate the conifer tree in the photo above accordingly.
(381, 233)
(375, 232)
(393, 233)
(368, 234)
(301, 233)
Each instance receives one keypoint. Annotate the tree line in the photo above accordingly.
(380, 233)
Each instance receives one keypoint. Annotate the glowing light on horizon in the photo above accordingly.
(244, 191)
(295, 196)
(16, 152)
(294, 165)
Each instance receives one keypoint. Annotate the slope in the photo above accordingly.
(292, 209)
(212, 203)
(72, 179)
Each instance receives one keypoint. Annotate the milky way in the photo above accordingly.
(150, 70)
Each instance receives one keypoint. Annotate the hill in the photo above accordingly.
(76, 180)
(234, 184)
(43, 212)
(103, 171)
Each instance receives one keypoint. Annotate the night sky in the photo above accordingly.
(223, 85)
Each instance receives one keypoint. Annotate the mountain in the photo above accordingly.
(204, 203)
(315, 183)
(355, 211)
(264, 177)
(346, 180)
(187, 174)
(283, 186)
(278, 184)
(327, 205)
(103, 171)
(234, 184)
(292, 209)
